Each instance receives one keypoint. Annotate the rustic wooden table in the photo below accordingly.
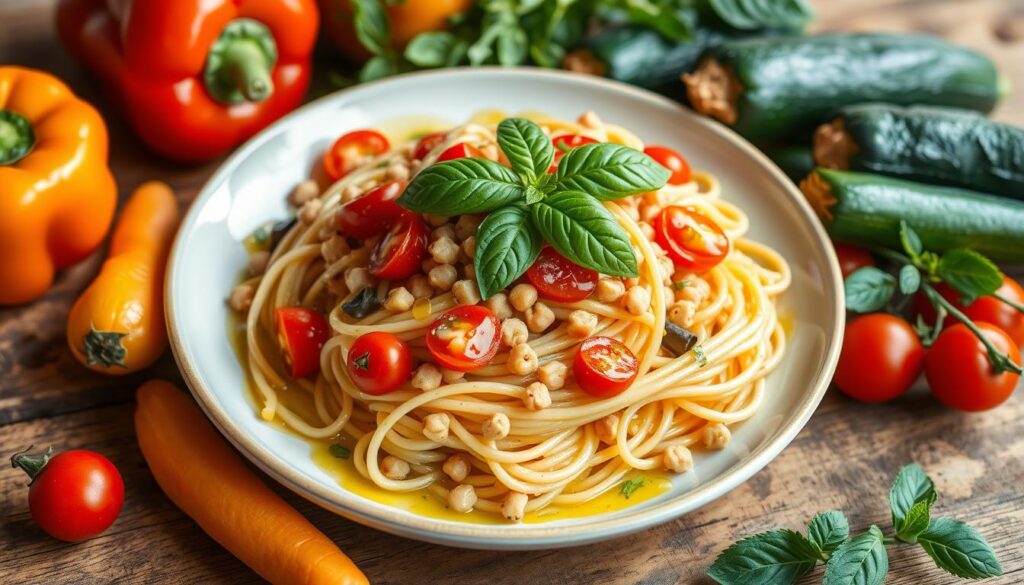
(844, 459)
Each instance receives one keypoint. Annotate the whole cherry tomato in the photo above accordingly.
(398, 255)
(559, 279)
(880, 359)
(959, 373)
(301, 333)
(349, 151)
(604, 366)
(74, 495)
(372, 213)
(464, 338)
(461, 150)
(852, 258)
(428, 143)
(564, 143)
(693, 240)
(379, 363)
(673, 161)
(988, 308)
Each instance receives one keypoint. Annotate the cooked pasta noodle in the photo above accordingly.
(577, 447)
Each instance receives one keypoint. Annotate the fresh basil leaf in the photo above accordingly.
(959, 549)
(915, 522)
(910, 279)
(480, 51)
(431, 49)
(371, 25)
(465, 185)
(506, 245)
(868, 289)
(609, 171)
(376, 68)
(528, 149)
(533, 194)
(762, 14)
(779, 557)
(912, 485)
(862, 560)
(969, 273)
(582, 230)
(828, 530)
(910, 240)
(512, 46)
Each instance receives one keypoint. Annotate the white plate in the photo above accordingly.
(250, 188)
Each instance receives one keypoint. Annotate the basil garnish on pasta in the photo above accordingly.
(530, 206)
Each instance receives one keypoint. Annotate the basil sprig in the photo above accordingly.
(781, 557)
(528, 206)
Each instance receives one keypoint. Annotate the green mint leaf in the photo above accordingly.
(915, 522)
(828, 530)
(959, 549)
(512, 46)
(533, 195)
(868, 289)
(376, 68)
(464, 185)
(910, 279)
(910, 240)
(339, 451)
(480, 51)
(862, 560)
(582, 230)
(970, 274)
(779, 557)
(371, 25)
(912, 485)
(762, 14)
(527, 148)
(431, 49)
(506, 245)
(632, 484)
(609, 171)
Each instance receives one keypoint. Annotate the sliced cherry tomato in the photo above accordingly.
(461, 150)
(560, 279)
(988, 308)
(604, 366)
(959, 373)
(880, 359)
(465, 338)
(673, 161)
(564, 143)
(372, 213)
(74, 495)
(398, 255)
(349, 151)
(301, 333)
(379, 363)
(428, 143)
(852, 258)
(693, 240)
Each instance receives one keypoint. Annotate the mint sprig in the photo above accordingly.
(782, 556)
(529, 206)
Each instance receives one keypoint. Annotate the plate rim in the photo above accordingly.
(499, 537)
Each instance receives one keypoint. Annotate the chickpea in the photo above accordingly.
(513, 507)
(456, 467)
(523, 296)
(469, 271)
(681, 313)
(498, 304)
(539, 317)
(469, 247)
(716, 436)
(258, 262)
(462, 498)
(309, 211)
(304, 192)
(399, 300)
(607, 429)
(445, 231)
(350, 193)
(610, 290)
(398, 171)
(428, 264)
(552, 374)
(513, 332)
(537, 396)
(241, 297)
(444, 251)
(591, 120)
(677, 459)
(467, 226)
(466, 292)
(435, 220)
(334, 248)
(394, 468)
(442, 277)
(451, 376)
(637, 300)
(496, 427)
(435, 427)
(358, 278)
(581, 324)
(522, 360)
(419, 287)
(427, 377)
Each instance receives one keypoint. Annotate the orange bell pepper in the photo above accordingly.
(195, 77)
(117, 325)
(57, 195)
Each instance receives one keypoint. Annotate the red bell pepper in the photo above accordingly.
(195, 77)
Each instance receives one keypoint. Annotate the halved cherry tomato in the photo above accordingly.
(398, 255)
(852, 258)
(564, 143)
(74, 495)
(465, 338)
(461, 150)
(560, 279)
(959, 373)
(693, 240)
(988, 308)
(301, 333)
(428, 143)
(349, 151)
(880, 359)
(372, 213)
(604, 366)
(673, 161)
(379, 363)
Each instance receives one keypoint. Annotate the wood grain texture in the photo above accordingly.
(844, 459)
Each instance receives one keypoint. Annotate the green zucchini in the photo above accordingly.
(772, 88)
(866, 209)
(795, 161)
(930, 144)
